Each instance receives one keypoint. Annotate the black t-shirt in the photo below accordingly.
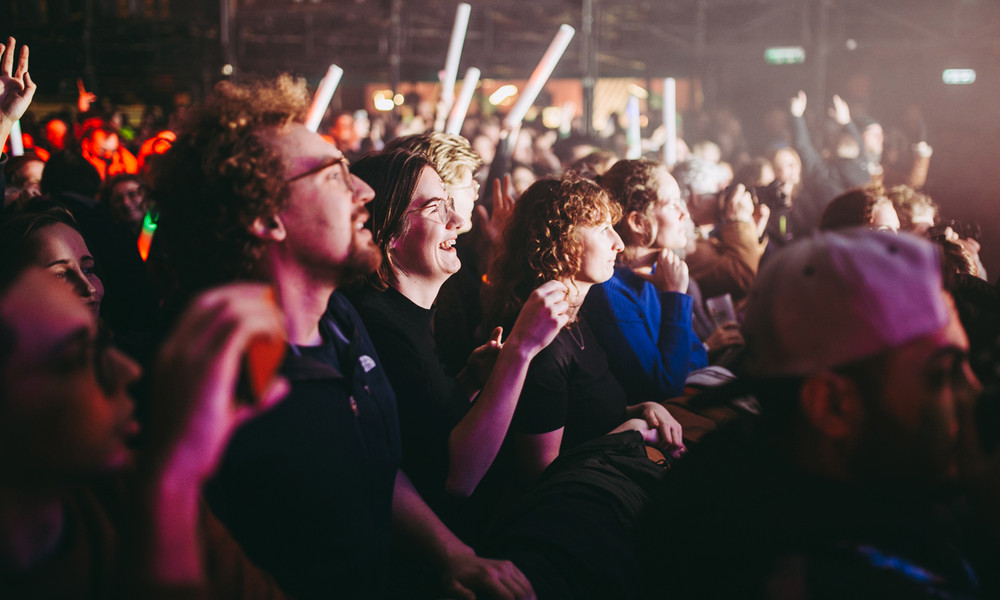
(572, 387)
(430, 402)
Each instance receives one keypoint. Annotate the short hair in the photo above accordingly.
(698, 176)
(70, 172)
(751, 174)
(853, 208)
(633, 185)
(16, 163)
(449, 153)
(540, 240)
(594, 164)
(909, 203)
(109, 186)
(394, 177)
(220, 176)
(17, 227)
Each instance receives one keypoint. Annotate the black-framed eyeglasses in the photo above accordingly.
(345, 171)
(443, 209)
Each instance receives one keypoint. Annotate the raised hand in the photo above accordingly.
(739, 205)
(503, 204)
(840, 112)
(195, 408)
(798, 104)
(541, 318)
(16, 87)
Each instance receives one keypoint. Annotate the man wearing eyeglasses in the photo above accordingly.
(311, 490)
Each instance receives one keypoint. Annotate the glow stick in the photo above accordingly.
(461, 107)
(146, 235)
(670, 121)
(540, 76)
(633, 133)
(454, 54)
(323, 96)
(16, 143)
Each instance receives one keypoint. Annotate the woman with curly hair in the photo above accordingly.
(642, 315)
(452, 427)
(562, 229)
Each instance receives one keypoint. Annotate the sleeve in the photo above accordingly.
(648, 343)
(728, 264)
(811, 160)
(543, 402)
(3, 180)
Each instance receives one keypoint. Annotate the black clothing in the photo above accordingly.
(306, 488)
(572, 533)
(734, 520)
(572, 387)
(430, 402)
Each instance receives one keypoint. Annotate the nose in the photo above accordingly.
(455, 220)
(81, 284)
(618, 244)
(119, 371)
(363, 193)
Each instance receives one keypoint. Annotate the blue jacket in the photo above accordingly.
(647, 335)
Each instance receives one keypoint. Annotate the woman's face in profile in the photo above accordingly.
(60, 249)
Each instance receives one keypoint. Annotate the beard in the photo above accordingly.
(364, 259)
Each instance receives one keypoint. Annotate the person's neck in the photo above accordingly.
(635, 257)
(421, 291)
(575, 296)
(31, 526)
(303, 299)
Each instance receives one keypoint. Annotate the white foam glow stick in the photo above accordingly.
(323, 96)
(633, 134)
(16, 143)
(454, 53)
(670, 121)
(461, 107)
(539, 76)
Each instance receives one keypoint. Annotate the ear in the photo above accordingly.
(269, 228)
(831, 404)
(637, 223)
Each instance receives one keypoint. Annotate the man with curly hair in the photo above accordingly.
(312, 490)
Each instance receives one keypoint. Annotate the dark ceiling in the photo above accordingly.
(154, 46)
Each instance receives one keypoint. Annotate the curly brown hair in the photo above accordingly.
(540, 240)
(910, 203)
(853, 208)
(634, 185)
(220, 176)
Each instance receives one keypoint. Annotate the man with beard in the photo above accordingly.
(854, 480)
(312, 490)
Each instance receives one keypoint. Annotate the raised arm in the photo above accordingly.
(194, 412)
(475, 441)
(16, 88)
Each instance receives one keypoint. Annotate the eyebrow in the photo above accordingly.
(321, 166)
(431, 201)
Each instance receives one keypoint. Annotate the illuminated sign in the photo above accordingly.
(785, 55)
(958, 76)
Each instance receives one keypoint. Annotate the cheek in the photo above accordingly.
(70, 427)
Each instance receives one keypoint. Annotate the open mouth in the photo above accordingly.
(447, 245)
